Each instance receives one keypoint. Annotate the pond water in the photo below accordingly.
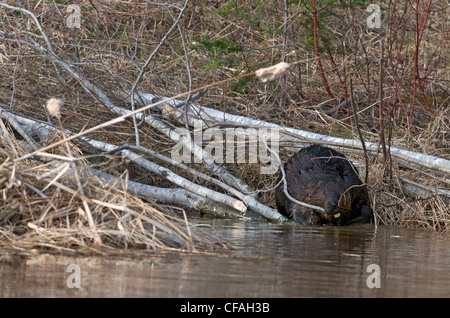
(268, 261)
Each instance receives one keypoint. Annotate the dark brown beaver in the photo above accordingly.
(323, 177)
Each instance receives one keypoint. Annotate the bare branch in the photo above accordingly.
(211, 115)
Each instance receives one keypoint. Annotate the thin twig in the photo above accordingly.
(380, 100)
(283, 54)
(361, 137)
(87, 209)
(144, 67)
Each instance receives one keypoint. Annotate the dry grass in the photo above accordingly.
(37, 211)
(394, 206)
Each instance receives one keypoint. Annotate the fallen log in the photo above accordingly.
(414, 189)
(220, 171)
(153, 167)
(214, 116)
(249, 201)
(177, 196)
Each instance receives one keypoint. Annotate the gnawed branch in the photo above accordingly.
(247, 201)
(212, 116)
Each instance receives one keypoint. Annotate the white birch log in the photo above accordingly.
(198, 151)
(211, 115)
(153, 167)
(176, 196)
(250, 201)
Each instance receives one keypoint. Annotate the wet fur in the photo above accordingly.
(323, 177)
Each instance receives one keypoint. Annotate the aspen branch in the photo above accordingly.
(124, 113)
(153, 167)
(176, 196)
(249, 200)
(213, 116)
(246, 201)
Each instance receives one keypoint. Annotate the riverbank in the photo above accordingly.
(268, 261)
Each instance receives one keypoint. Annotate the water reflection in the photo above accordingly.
(269, 261)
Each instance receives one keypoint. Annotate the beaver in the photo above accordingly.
(323, 177)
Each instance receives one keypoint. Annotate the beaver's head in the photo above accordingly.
(333, 197)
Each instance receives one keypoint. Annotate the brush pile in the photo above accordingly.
(142, 80)
(42, 205)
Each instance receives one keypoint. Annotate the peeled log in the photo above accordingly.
(211, 115)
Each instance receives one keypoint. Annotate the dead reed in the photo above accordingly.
(397, 203)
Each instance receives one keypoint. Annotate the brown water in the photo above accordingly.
(269, 261)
